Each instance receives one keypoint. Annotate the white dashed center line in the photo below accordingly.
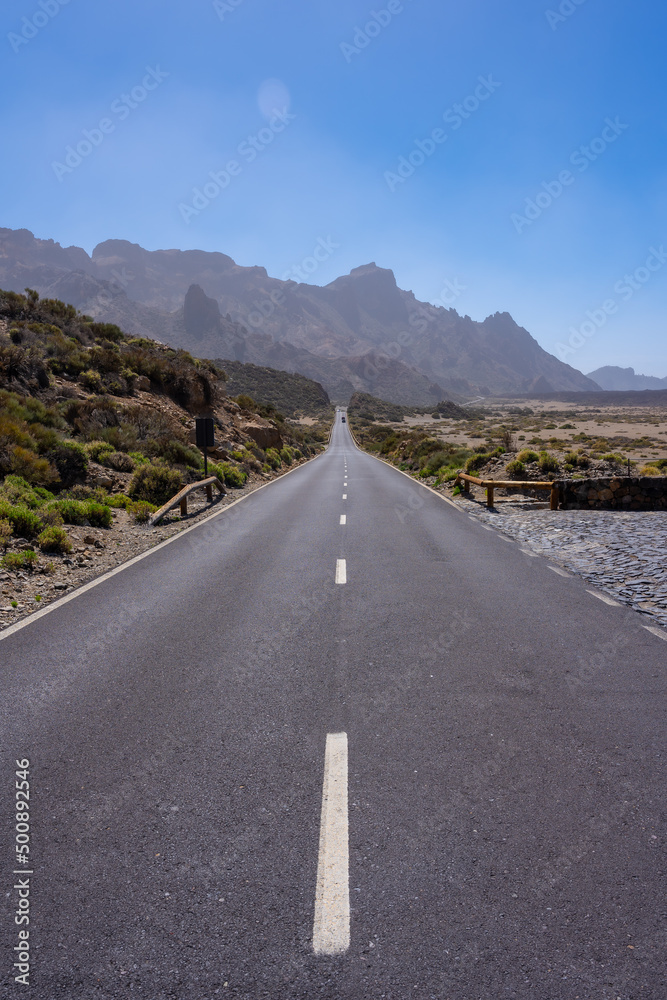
(344, 496)
(331, 927)
(561, 572)
(343, 518)
(603, 597)
(341, 571)
(527, 552)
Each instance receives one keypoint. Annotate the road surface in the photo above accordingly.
(339, 741)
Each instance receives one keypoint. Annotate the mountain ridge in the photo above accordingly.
(360, 332)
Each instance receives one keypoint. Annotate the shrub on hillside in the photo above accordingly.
(230, 475)
(547, 462)
(25, 523)
(141, 511)
(155, 483)
(98, 515)
(98, 450)
(72, 511)
(25, 463)
(17, 490)
(516, 469)
(119, 461)
(54, 539)
(526, 455)
(70, 460)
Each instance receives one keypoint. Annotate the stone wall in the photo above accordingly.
(614, 493)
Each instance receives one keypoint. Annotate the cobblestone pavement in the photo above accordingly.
(624, 554)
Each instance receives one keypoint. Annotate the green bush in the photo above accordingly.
(273, 458)
(156, 483)
(54, 539)
(177, 453)
(141, 510)
(71, 511)
(16, 490)
(91, 380)
(50, 517)
(547, 462)
(119, 461)
(70, 460)
(12, 561)
(286, 455)
(25, 522)
(30, 559)
(528, 456)
(98, 450)
(516, 469)
(233, 476)
(32, 467)
(119, 501)
(98, 515)
(476, 462)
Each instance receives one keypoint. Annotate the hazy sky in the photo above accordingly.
(515, 150)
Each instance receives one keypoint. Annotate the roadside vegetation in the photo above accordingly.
(495, 444)
(93, 421)
(288, 393)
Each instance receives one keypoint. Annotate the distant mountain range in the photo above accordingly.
(621, 379)
(360, 333)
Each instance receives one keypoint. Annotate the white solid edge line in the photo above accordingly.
(341, 571)
(561, 572)
(656, 631)
(331, 925)
(603, 597)
(343, 518)
(11, 629)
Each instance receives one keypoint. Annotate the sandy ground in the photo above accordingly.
(641, 432)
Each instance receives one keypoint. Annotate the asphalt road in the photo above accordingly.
(504, 771)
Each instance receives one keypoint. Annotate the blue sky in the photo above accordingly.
(504, 204)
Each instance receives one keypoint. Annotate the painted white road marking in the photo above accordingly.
(344, 496)
(603, 597)
(331, 927)
(527, 552)
(343, 518)
(341, 571)
(656, 631)
(561, 572)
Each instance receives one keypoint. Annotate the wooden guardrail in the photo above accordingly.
(492, 484)
(181, 498)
